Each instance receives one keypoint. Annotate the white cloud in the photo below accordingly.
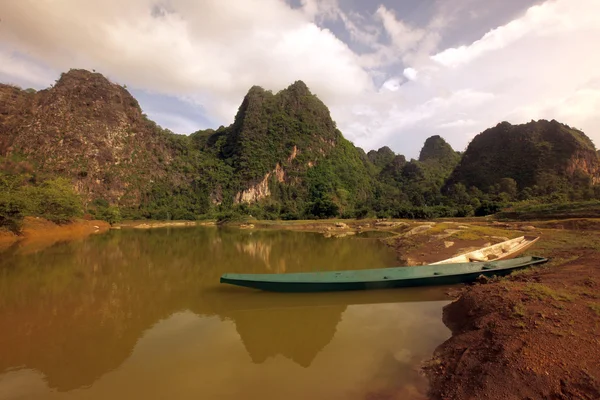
(393, 84)
(549, 18)
(21, 70)
(176, 123)
(403, 36)
(321, 9)
(410, 73)
(459, 123)
(543, 64)
(213, 49)
(360, 29)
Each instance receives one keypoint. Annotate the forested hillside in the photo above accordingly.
(84, 146)
(537, 159)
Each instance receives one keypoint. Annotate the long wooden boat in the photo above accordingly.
(500, 251)
(424, 275)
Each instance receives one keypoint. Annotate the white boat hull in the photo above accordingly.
(500, 251)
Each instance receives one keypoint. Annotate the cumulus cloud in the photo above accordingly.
(16, 70)
(542, 64)
(550, 18)
(459, 123)
(321, 9)
(403, 36)
(212, 49)
(410, 73)
(392, 84)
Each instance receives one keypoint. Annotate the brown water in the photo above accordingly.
(141, 314)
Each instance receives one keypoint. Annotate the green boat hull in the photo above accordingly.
(385, 278)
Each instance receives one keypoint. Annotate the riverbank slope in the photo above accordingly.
(40, 233)
(533, 335)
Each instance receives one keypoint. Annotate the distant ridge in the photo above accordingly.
(282, 157)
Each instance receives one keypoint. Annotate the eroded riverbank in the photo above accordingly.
(39, 233)
(533, 335)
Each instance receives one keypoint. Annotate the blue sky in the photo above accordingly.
(391, 72)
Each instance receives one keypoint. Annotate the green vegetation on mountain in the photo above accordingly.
(437, 151)
(542, 158)
(382, 157)
(282, 157)
(23, 192)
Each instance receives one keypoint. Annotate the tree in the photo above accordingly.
(508, 186)
(55, 200)
(458, 194)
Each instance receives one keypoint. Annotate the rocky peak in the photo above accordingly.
(527, 153)
(75, 77)
(269, 127)
(91, 94)
(437, 149)
(90, 130)
(299, 88)
(381, 157)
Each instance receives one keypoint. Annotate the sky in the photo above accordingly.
(392, 72)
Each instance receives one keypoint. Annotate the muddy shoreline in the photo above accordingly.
(38, 233)
(532, 335)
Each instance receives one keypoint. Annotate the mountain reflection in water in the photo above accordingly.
(141, 314)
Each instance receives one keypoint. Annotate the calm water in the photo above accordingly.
(140, 314)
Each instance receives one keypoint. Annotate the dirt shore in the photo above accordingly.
(533, 335)
(38, 233)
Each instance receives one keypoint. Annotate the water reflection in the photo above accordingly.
(100, 317)
(298, 335)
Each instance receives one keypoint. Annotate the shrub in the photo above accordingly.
(230, 215)
(487, 208)
(110, 214)
(54, 200)
(11, 211)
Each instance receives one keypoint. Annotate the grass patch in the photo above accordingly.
(593, 294)
(520, 324)
(519, 310)
(432, 363)
(476, 232)
(467, 235)
(556, 261)
(521, 272)
(595, 307)
(585, 209)
(439, 228)
(542, 292)
(571, 241)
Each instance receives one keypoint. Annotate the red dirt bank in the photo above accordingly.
(532, 336)
(39, 233)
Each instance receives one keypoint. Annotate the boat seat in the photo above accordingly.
(476, 259)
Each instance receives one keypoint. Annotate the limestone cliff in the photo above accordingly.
(260, 190)
(286, 135)
(86, 128)
(530, 154)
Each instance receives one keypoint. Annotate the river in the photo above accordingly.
(141, 314)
